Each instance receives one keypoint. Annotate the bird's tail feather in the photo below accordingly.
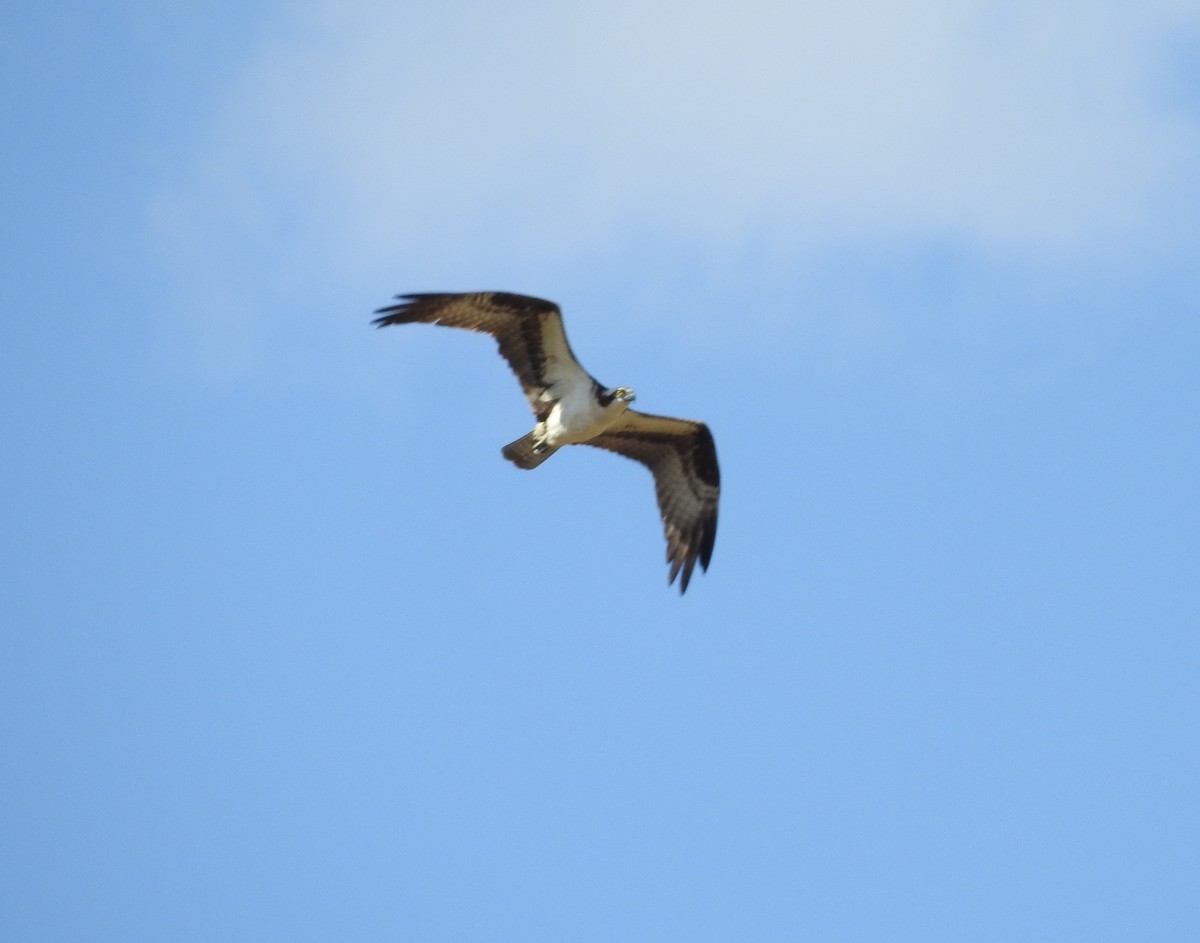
(522, 454)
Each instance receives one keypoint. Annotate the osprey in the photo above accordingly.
(573, 408)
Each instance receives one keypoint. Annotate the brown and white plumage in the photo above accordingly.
(573, 408)
(687, 481)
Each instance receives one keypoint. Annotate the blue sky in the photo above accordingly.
(290, 652)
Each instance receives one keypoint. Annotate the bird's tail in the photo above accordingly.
(522, 453)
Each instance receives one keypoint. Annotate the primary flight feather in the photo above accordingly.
(573, 408)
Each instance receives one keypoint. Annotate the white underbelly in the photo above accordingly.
(577, 419)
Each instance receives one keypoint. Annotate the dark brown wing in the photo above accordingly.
(687, 481)
(529, 331)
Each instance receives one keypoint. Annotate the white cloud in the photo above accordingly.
(471, 139)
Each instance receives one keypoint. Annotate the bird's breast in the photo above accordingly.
(577, 418)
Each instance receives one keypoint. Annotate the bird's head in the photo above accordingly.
(623, 395)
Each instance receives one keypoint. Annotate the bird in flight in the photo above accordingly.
(573, 408)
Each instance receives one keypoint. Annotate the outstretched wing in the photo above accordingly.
(529, 331)
(683, 458)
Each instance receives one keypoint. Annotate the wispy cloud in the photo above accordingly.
(473, 140)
